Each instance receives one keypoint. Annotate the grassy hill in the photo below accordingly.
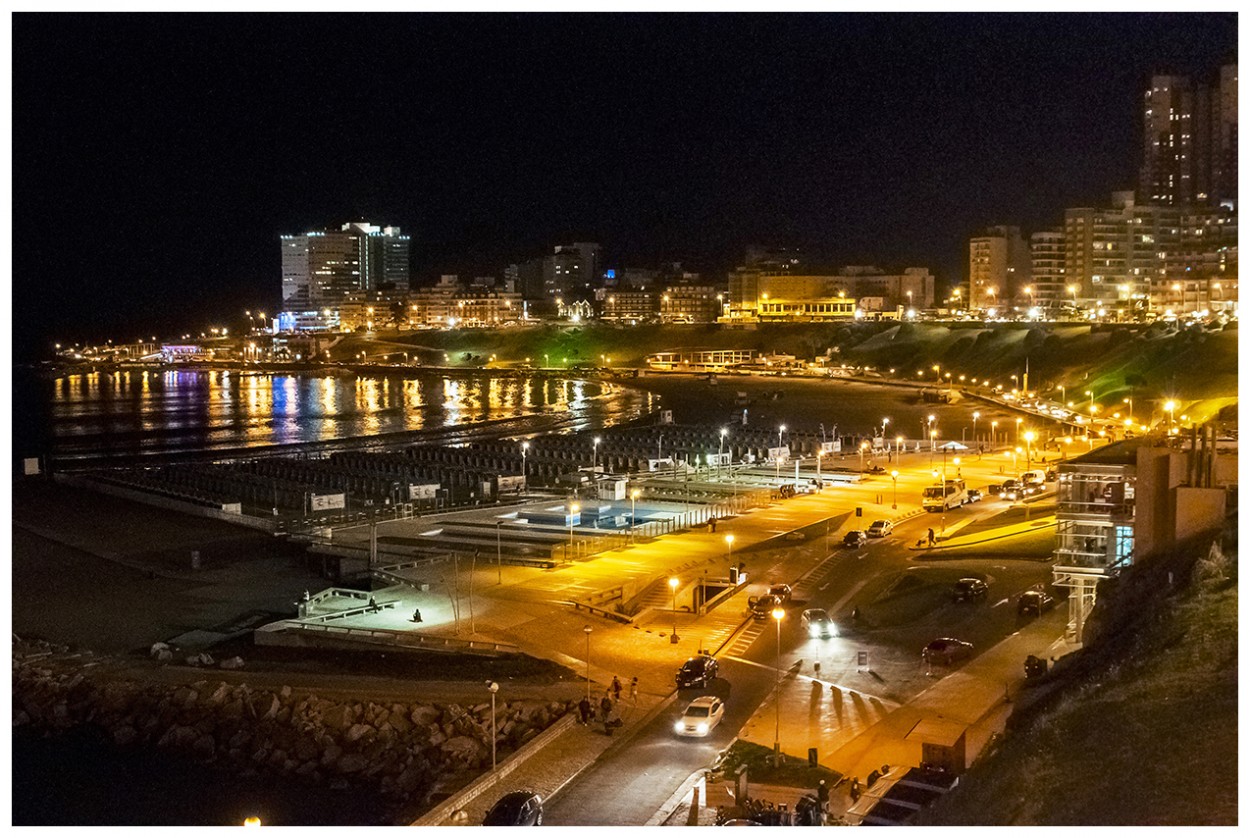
(1139, 728)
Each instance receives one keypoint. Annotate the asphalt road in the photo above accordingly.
(629, 784)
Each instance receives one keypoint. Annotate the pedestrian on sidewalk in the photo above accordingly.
(633, 690)
(930, 536)
(373, 604)
(583, 707)
(605, 705)
(822, 796)
(616, 688)
(416, 615)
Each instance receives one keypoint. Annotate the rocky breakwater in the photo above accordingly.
(402, 750)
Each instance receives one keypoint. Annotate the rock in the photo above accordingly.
(358, 731)
(125, 735)
(331, 755)
(267, 709)
(185, 696)
(351, 763)
(164, 655)
(235, 662)
(463, 750)
(284, 693)
(437, 737)
(284, 716)
(399, 723)
(238, 740)
(204, 748)
(339, 717)
(218, 696)
(410, 779)
(306, 749)
(423, 715)
(159, 648)
(233, 710)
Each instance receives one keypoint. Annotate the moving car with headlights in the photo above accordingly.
(762, 608)
(816, 623)
(781, 592)
(701, 716)
(854, 538)
(946, 650)
(974, 495)
(969, 588)
(697, 672)
(880, 529)
(517, 808)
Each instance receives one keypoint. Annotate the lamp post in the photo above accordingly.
(778, 615)
(894, 474)
(594, 456)
(1129, 401)
(976, 414)
(898, 444)
(932, 444)
(633, 512)
(672, 583)
(1019, 422)
(862, 446)
(780, 430)
(720, 454)
(525, 447)
(494, 688)
(819, 453)
(1170, 407)
(587, 629)
(729, 548)
(1029, 436)
(573, 510)
(993, 433)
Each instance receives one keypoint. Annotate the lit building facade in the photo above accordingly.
(999, 269)
(759, 296)
(1189, 140)
(322, 267)
(1047, 270)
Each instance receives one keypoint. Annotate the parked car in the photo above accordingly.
(1033, 478)
(762, 608)
(994, 490)
(946, 650)
(697, 672)
(880, 529)
(1034, 602)
(516, 808)
(701, 716)
(781, 592)
(970, 588)
(974, 495)
(854, 538)
(816, 623)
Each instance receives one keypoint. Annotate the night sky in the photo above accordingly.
(157, 158)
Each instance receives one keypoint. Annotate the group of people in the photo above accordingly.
(607, 705)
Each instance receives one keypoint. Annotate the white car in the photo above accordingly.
(816, 623)
(880, 529)
(701, 716)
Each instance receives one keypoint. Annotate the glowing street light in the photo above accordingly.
(993, 433)
(894, 474)
(573, 510)
(633, 511)
(729, 548)
(976, 414)
(673, 582)
(1170, 407)
(862, 446)
(525, 447)
(1029, 436)
(594, 457)
(778, 615)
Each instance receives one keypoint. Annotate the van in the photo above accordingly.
(1032, 478)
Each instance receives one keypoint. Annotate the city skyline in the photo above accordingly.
(679, 138)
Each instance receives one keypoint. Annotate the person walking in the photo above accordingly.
(930, 536)
(822, 798)
(605, 705)
(633, 690)
(583, 707)
(616, 688)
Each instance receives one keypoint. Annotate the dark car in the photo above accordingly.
(1034, 602)
(994, 490)
(762, 608)
(969, 588)
(854, 538)
(946, 650)
(517, 808)
(697, 672)
(781, 592)
(1052, 475)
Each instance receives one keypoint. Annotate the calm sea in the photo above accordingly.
(100, 416)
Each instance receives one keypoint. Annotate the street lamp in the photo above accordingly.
(819, 453)
(958, 471)
(1170, 407)
(993, 433)
(780, 430)
(729, 549)
(633, 512)
(594, 456)
(976, 414)
(494, 688)
(862, 446)
(1029, 436)
(672, 583)
(932, 444)
(587, 629)
(894, 474)
(720, 455)
(525, 447)
(1019, 421)
(573, 510)
(778, 615)
(898, 443)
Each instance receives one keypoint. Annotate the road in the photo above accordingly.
(629, 784)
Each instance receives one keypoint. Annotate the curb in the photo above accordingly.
(440, 813)
(669, 806)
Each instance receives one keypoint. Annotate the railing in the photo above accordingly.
(406, 639)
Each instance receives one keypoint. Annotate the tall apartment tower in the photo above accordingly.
(1115, 255)
(571, 270)
(1049, 276)
(321, 267)
(1189, 140)
(999, 268)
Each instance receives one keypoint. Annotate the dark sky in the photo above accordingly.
(157, 158)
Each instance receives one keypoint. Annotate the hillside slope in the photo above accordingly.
(1140, 728)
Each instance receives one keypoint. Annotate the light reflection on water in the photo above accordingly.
(130, 413)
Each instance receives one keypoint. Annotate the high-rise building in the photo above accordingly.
(1189, 140)
(999, 268)
(321, 267)
(1114, 256)
(1049, 278)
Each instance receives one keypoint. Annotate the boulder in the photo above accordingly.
(399, 723)
(185, 697)
(331, 755)
(235, 662)
(339, 717)
(351, 763)
(359, 731)
(284, 693)
(267, 708)
(218, 696)
(463, 750)
(233, 710)
(306, 749)
(424, 715)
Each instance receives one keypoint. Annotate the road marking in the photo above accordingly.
(799, 675)
(1003, 601)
